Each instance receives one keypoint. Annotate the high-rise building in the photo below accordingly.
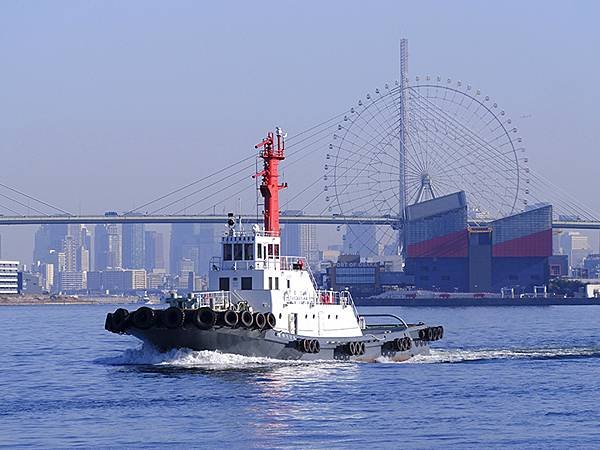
(9, 277)
(47, 238)
(300, 239)
(182, 235)
(70, 250)
(47, 271)
(133, 246)
(576, 246)
(100, 247)
(72, 281)
(154, 246)
(361, 239)
(197, 243)
(107, 247)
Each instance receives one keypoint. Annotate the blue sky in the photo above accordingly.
(137, 97)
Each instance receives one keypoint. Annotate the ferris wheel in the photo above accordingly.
(404, 144)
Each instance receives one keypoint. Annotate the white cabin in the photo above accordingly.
(251, 269)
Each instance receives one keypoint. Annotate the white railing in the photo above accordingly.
(212, 299)
(319, 297)
(239, 233)
(274, 262)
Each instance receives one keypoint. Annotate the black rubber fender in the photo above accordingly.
(143, 318)
(204, 318)
(306, 345)
(258, 320)
(398, 345)
(408, 341)
(351, 349)
(271, 320)
(173, 317)
(120, 319)
(317, 346)
(423, 334)
(108, 325)
(228, 318)
(430, 334)
(245, 319)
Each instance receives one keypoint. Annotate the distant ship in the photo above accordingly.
(261, 303)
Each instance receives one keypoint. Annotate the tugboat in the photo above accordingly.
(261, 303)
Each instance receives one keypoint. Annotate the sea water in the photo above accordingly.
(525, 377)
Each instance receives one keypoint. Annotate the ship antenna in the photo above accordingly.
(270, 186)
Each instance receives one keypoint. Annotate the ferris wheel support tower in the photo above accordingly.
(403, 136)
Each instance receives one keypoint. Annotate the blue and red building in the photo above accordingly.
(445, 253)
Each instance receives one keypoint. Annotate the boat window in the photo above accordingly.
(259, 251)
(227, 253)
(270, 283)
(224, 284)
(248, 251)
(276, 248)
(288, 284)
(246, 283)
(237, 252)
(270, 250)
(276, 283)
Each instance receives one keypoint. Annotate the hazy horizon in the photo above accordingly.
(107, 105)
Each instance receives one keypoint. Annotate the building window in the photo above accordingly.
(259, 251)
(246, 283)
(237, 252)
(224, 284)
(227, 253)
(276, 248)
(270, 251)
(248, 251)
(276, 283)
(270, 283)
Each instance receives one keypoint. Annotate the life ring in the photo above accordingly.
(204, 318)
(144, 318)
(173, 317)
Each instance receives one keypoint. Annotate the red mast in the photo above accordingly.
(270, 186)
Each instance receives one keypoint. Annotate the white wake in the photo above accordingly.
(186, 358)
(437, 356)
(212, 360)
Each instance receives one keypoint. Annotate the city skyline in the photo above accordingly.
(167, 122)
